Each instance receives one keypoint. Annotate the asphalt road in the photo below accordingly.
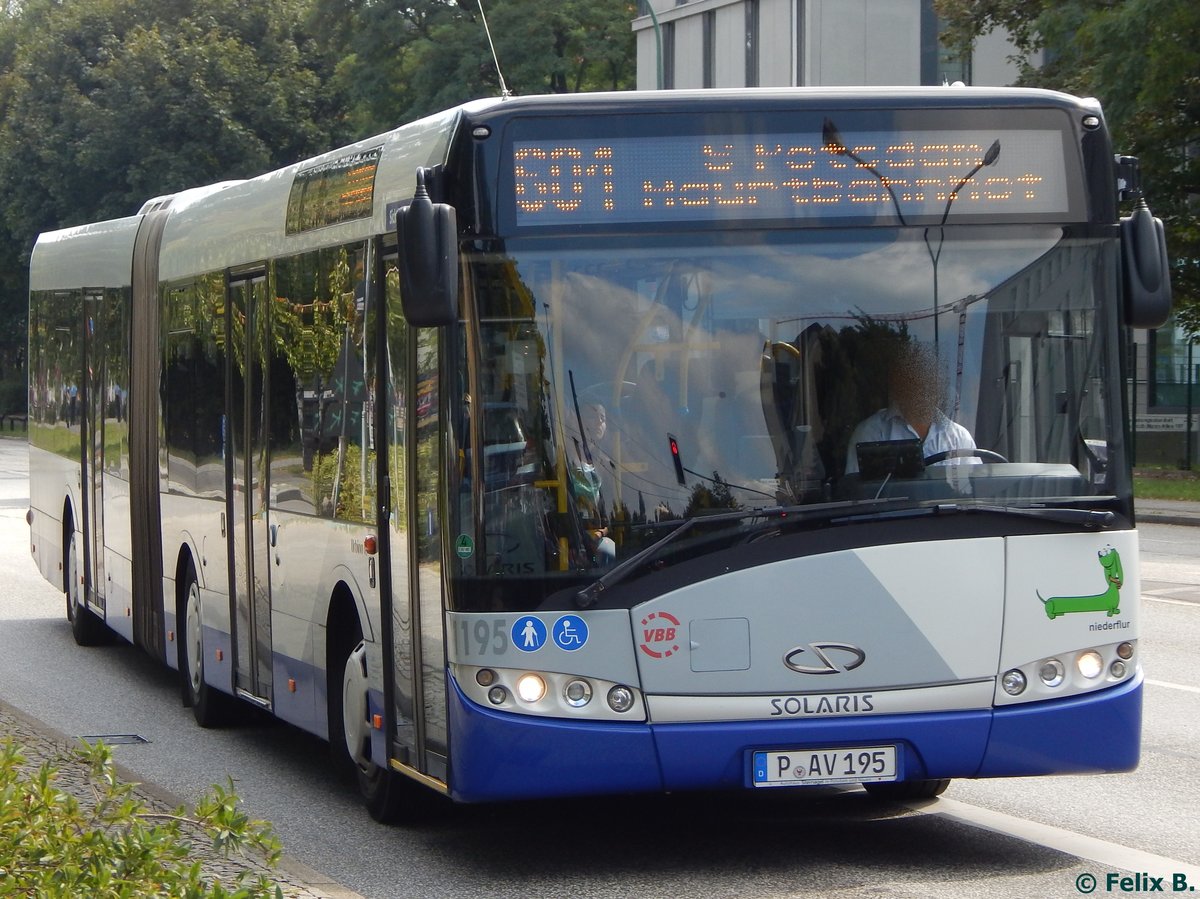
(1005, 839)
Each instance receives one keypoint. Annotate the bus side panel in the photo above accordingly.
(312, 558)
(192, 526)
(53, 484)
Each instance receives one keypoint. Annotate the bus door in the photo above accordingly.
(412, 601)
(90, 405)
(249, 534)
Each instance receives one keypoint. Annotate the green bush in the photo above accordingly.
(111, 845)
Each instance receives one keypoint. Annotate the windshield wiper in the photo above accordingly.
(1088, 518)
(589, 595)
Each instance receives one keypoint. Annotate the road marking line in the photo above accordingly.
(1173, 602)
(1102, 852)
(1163, 683)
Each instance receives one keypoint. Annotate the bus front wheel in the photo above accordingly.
(386, 794)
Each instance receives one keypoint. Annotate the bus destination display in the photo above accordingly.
(863, 175)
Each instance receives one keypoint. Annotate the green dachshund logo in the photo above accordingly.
(1108, 602)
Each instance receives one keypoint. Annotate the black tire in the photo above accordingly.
(388, 796)
(86, 626)
(210, 707)
(903, 790)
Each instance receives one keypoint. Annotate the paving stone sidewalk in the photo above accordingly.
(40, 743)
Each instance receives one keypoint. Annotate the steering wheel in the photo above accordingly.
(985, 454)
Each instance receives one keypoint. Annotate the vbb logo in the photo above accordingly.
(660, 630)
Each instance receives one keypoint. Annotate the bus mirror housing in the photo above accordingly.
(427, 234)
(1144, 248)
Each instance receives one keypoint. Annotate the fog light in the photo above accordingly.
(1013, 682)
(497, 695)
(1117, 669)
(1090, 664)
(620, 699)
(485, 677)
(531, 688)
(1125, 651)
(578, 693)
(1052, 672)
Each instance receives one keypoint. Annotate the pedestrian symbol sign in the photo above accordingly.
(528, 633)
(570, 633)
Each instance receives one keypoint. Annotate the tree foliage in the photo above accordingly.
(394, 63)
(1141, 58)
(107, 103)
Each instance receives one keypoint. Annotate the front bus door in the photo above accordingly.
(249, 535)
(412, 601)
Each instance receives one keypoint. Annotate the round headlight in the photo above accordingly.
(1013, 682)
(620, 699)
(485, 677)
(497, 695)
(1117, 669)
(1052, 672)
(531, 687)
(1090, 664)
(578, 693)
(1125, 651)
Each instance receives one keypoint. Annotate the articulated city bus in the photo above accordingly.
(603, 443)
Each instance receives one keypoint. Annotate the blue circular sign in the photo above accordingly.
(528, 633)
(570, 633)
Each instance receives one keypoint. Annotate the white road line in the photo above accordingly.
(1109, 855)
(1163, 683)
(1173, 602)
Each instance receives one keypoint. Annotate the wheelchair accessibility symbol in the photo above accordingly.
(570, 633)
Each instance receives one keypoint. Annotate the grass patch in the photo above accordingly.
(1166, 483)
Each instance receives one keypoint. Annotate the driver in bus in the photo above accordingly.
(914, 390)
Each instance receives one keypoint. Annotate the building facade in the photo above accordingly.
(792, 43)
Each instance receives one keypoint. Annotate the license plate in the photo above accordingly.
(806, 767)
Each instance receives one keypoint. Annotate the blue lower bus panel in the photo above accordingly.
(499, 755)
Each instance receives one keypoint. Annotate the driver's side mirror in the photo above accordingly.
(427, 233)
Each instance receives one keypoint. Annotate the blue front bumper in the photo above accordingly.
(499, 755)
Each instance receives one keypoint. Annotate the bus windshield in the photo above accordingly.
(626, 386)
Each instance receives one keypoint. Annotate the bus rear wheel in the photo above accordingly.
(86, 626)
(388, 796)
(903, 790)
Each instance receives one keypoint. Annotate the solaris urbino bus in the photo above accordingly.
(553, 446)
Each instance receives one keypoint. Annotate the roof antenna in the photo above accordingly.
(505, 93)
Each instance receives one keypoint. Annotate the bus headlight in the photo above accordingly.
(1090, 664)
(531, 687)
